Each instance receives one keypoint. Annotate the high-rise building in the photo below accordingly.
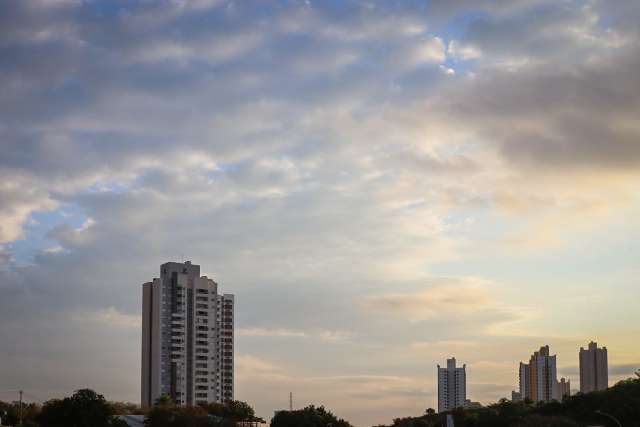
(525, 381)
(452, 386)
(538, 378)
(564, 389)
(187, 338)
(594, 368)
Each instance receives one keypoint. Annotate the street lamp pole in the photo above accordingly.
(611, 417)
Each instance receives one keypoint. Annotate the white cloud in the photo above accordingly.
(465, 52)
(429, 50)
(109, 317)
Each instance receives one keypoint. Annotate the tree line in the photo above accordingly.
(620, 403)
(86, 408)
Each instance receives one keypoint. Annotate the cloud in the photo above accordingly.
(431, 50)
(109, 317)
(428, 304)
(448, 297)
(464, 52)
(18, 199)
(322, 335)
(333, 166)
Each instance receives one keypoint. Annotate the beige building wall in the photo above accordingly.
(594, 368)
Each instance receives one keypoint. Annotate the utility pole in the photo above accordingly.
(611, 417)
(20, 407)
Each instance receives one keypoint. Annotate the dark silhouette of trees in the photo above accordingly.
(85, 408)
(310, 416)
(166, 414)
(621, 401)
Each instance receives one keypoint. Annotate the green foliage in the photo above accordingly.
(29, 413)
(166, 414)
(125, 408)
(621, 401)
(85, 408)
(308, 417)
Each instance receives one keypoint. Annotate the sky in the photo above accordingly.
(382, 185)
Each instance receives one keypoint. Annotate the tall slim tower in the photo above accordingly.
(187, 338)
(594, 368)
(525, 381)
(452, 386)
(539, 378)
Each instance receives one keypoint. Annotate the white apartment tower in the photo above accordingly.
(452, 386)
(594, 368)
(187, 338)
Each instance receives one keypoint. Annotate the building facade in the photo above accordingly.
(539, 378)
(564, 389)
(525, 381)
(594, 368)
(187, 338)
(452, 386)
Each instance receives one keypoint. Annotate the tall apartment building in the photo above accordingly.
(539, 378)
(525, 381)
(452, 386)
(187, 338)
(594, 368)
(564, 389)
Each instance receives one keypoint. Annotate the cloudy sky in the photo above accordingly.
(381, 184)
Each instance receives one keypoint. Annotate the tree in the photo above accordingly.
(126, 408)
(230, 412)
(621, 401)
(308, 417)
(10, 413)
(85, 408)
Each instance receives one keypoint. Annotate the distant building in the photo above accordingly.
(516, 396)
(564, 389)
(187, 338)
(472, 405)
(525, 381)
(452, 386)
(594, 368)
(538, 378)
